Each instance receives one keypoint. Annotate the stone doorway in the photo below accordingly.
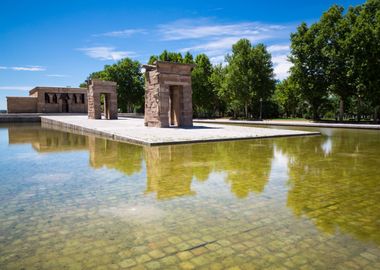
(168, 95)
(107, 89)
(176, 107)
(65, 103)
(65, 106)
(106, 105)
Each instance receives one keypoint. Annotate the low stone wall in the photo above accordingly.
(17, 118)
(22, 104)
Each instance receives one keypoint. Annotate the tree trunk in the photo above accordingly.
(246, 109)
(375, 116)
(315, 114)
(341, 110)
(359, 109)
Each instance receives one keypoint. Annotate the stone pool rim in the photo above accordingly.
(48, 122)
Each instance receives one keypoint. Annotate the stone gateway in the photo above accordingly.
(96, 89)
(168, 95)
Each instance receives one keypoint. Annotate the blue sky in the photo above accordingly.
(58, 43)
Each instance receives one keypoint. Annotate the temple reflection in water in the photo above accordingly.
(170, 170)
(329, 182)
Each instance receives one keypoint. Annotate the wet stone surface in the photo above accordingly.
(77, 202)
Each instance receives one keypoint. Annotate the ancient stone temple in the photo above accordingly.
(44, 99)
(96, 89)
(168, 95)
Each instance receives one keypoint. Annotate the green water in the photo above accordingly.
(79, 202)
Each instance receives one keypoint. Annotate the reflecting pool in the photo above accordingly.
(69, 201)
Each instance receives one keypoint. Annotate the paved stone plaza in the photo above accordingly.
(133, 130)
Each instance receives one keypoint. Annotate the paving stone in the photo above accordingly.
(143, 258)
(184, 255)
(156, 254)
(127, 263)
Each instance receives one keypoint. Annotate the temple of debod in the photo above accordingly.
(168, 97)
(168, 114)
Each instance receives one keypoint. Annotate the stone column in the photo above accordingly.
(164, 105)
(187, 112)
(94, 109)
(113, 105)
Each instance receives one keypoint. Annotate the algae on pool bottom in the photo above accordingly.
(79, 202)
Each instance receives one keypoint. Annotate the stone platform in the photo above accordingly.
(132, 130)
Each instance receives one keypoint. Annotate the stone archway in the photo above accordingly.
(168, 95)
(97, 88)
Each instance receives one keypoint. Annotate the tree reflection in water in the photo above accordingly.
(332, 180)
(170, 170)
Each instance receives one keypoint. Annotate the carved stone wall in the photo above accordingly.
(168, 95)
(95, 89)
(50, 100)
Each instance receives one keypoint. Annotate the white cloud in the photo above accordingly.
(28, 68)
(219, 59)
(106, 53)
(15, 88)
(221, 45)
(281, 66)
(280, 60)
(216, 39)
(25, 68)
(58, 75)
(278, 48)
(191, 29)
(121, 33)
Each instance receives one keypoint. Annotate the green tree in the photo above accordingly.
(152, 59)
(363, 44)
(308, 66)
(218, 83)
(264, 82)
(130, 83)
(204, 98)
(249, 76)
(167, 56)
(333, 34)
(339, 57)
(287, 96)
(188, 58)
(239, 76)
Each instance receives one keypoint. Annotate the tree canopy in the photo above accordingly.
(130, 83)
(334, 74)
(339, 56)
(249, 76)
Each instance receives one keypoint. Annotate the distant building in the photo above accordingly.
(50, 100)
